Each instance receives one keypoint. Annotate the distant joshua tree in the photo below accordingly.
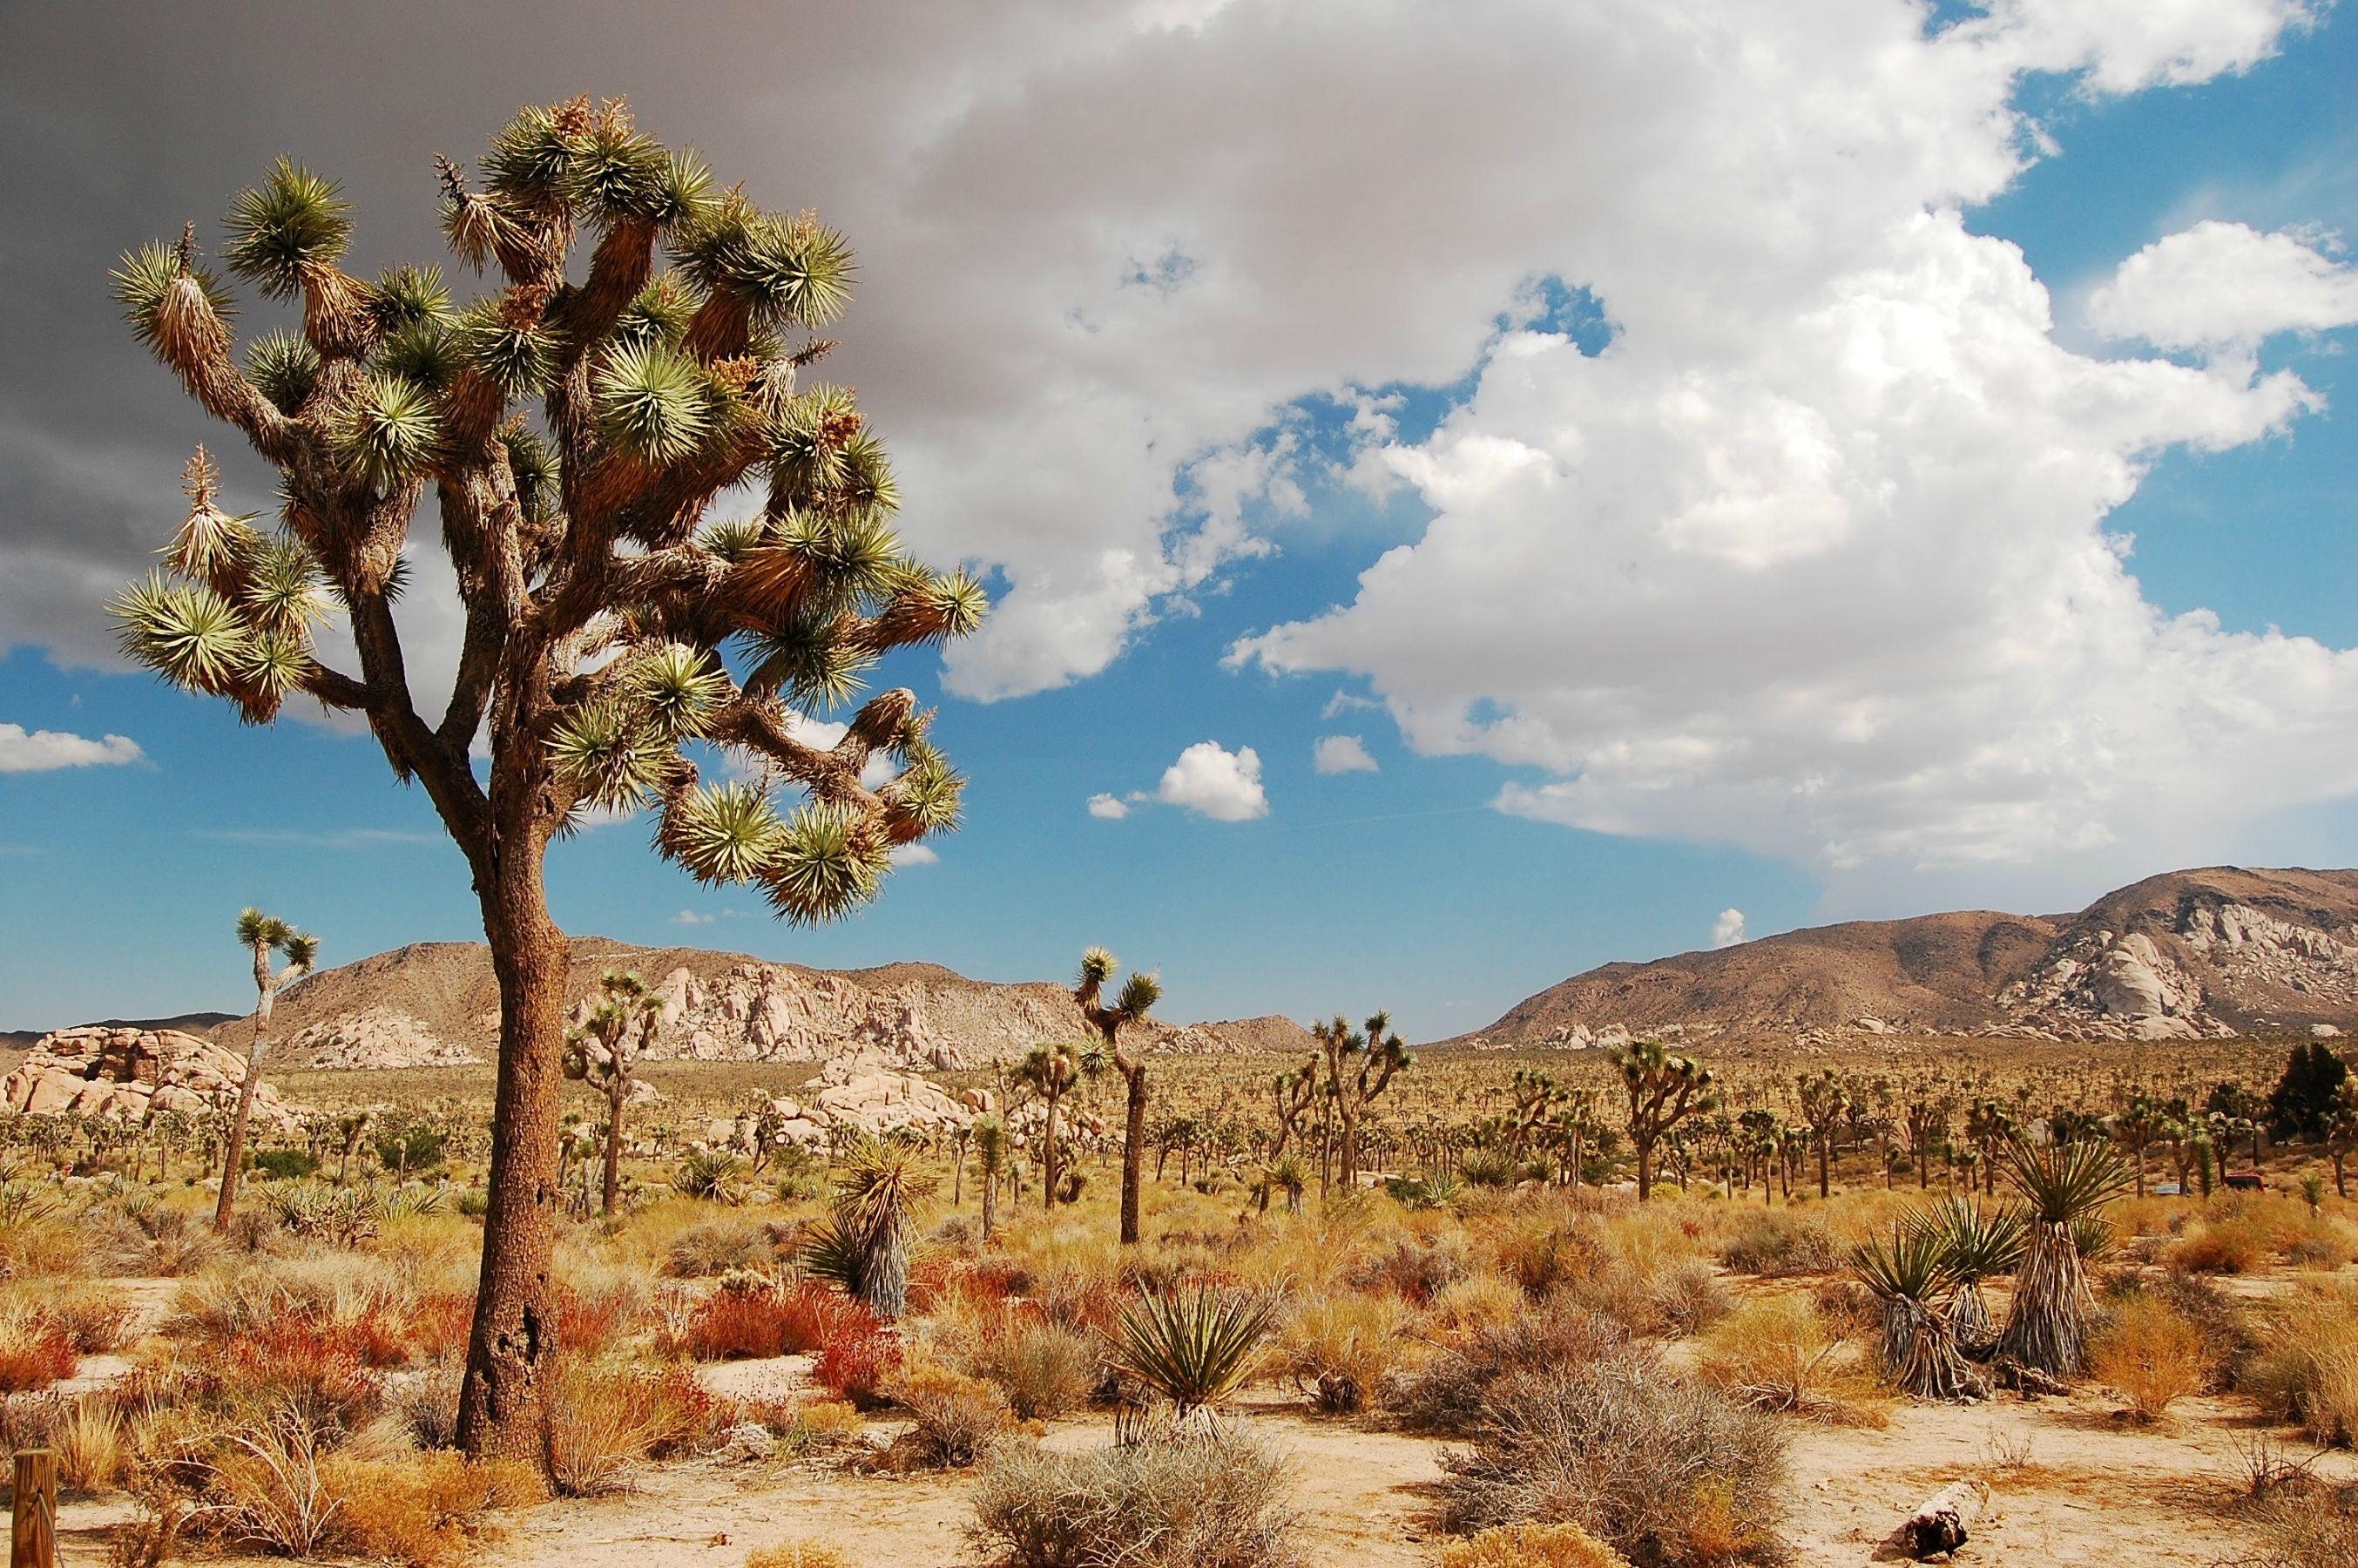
(1360, 1065)
(603, 1051)
(1662, 1090)
(574, 428)
(261, 934)
(1139, 995)
(1050, 1071)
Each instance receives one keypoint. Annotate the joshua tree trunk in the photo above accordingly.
(513, 1339)
(618, 1090)
(1048, 1155)
(235, 1155)
(1134, 1143)
(1645, 1151)
(1919, 1351)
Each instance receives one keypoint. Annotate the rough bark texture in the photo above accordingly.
(1134, 1143)
(618, 1090)
(500, 1410)
(233, 1158)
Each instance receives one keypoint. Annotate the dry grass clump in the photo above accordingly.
(2152, 1355)
(2228, 1245)
(1211, 1502)
(1043, 1369)
(1780, 1353)
(93, 1446)
(1670, 1473)
(710, 1247)
(598, 1426)
(798, 1554)
(2306, 1368)
(1531, 1546)
(423, 1510)
(1341, 1350)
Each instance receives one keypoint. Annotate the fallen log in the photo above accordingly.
(1940, 1525)
(2029, 1381)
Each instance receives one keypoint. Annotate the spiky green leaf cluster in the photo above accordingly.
(784, 271)
(659, 314)
(2065, 1183)
(292, 221)
(157, 293)
(654, 403)
(1910, 1265)
(677, 688)
(1977, 1240)
(607, 756)
(284, 367)
(405, 295)
(1192, 1346)
(388, 432)
(514, 356)
(826, 864)
(724, 835)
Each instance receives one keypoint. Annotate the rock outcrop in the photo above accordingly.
(437, 1003)
(872, 1101)
(2190, 955)
(129, 1074)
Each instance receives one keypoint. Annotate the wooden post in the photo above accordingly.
(33, 1533)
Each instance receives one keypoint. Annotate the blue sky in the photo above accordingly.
(1189, 432)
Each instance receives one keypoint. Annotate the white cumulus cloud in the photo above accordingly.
(690, 917)
(2221, 284)
(42, 750)
(1342, 755)
(1212, 781)
(915, 854)
(1727, 930)
(1111, 808)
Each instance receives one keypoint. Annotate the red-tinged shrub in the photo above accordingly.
(682, 1415)
(439, 1326)
(36, 1350)
(746, 1318)
(585, 1321)
(855, 1366)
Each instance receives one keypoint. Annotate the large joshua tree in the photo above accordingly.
(262, 935)
(1139, 995)
(575, 427)
(603, 1052)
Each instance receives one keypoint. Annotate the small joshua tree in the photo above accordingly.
(991, 1162)
(1662, 1090)
(2065, 1185)
(1976, 1242)
(1139, 995)
(1359, 1065)
(603, 1052)
(1050, 1071)
(261, 934)
(575, 427)
(1823, 1103)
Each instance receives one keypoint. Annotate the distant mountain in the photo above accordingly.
(435, 1003)
(187, 1023)
(2188, 954)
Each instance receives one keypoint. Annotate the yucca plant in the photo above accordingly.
(1976, 1240)
(708, 1174)
(1195, 1347)
(262, 935)
(1909, 1276)
(864, 1244)
(637, 360)
(1287, 1173)
(2065, 1185)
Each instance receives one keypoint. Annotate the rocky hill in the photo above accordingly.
(2188, 954)
(437, 1003)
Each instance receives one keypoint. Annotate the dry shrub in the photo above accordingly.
(857, 1361)
(1478, 1302)
(2324, 1244)
(2152, 1356)
(96, 1318)
(2305, 1370)
(717, 1245)
(424, 1511)
(1217, 1501)
(1415, 1268)
(1043, 1369)
(1450, 1393)
(823, 1424)
(1540, 1254)
(1340, 1349)
(35, 1349)
(267, 1488)
(956, 1417)
(2233, 1244)
(41, 1248)
(2225, 1326)
(1689, 1298)
(798, 1554)
(1670, 1473)
(1778, 1243)
(1531, 1546)
(1775, 1353)
(427, 1405)
(2311, 1528)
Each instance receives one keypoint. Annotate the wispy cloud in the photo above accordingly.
(348, 838)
